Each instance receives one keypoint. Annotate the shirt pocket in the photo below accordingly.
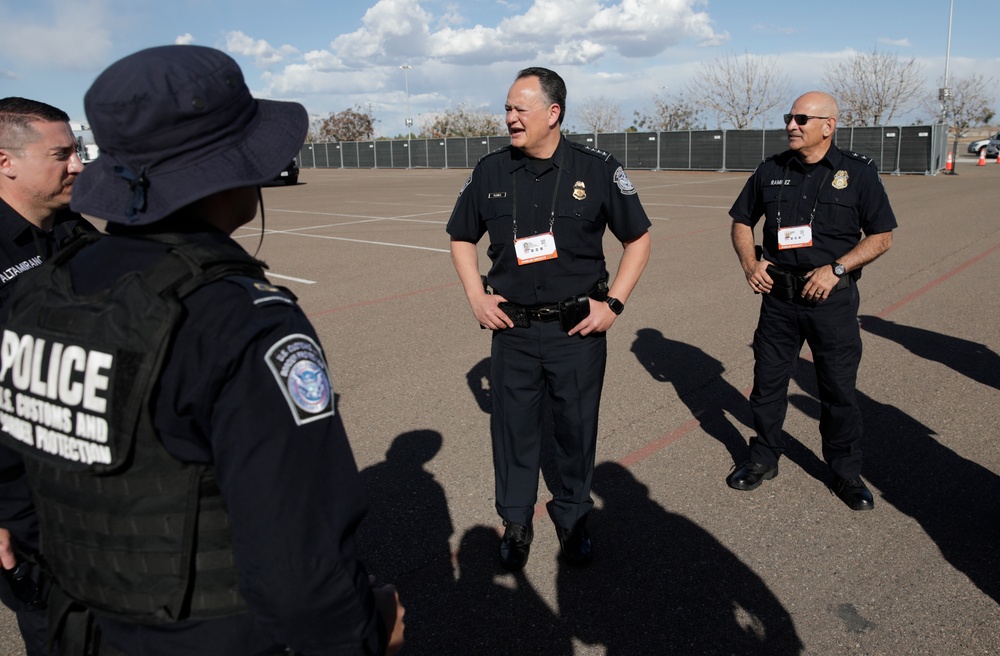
(577, 222)
(837, 212)
(499, 218)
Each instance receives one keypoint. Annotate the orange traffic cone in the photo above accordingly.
(948, 164)
(982, 157)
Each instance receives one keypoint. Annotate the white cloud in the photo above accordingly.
(8, 75)
(391, 30)
(566, 31)
(901, 43)
(264, 54)
(27, 39)
(184, 40)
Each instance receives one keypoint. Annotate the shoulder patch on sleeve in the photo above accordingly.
(624, 184)
(262, 292)
(301, 373)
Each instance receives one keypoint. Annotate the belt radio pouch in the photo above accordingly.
(785, 286)
(572, 311)
(517, 313)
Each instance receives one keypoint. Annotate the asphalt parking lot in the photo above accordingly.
(684, 565)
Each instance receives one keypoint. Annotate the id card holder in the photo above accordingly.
(795, 237)
(535, 248)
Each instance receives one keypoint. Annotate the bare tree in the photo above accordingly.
(348, 125)
(873, 87)
(600, 114)
(967, 105)
(668, 114)
(740, 89)
(463, 122)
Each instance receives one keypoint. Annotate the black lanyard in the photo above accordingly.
(552, 209)
(812, 214)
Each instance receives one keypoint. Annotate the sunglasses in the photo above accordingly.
(800, 119)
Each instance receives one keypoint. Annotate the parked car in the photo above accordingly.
(992, 145)
(290, 174)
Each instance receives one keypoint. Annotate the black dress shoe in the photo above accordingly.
(853, 492)
(750, 475)
(574, 543)
(515, 545)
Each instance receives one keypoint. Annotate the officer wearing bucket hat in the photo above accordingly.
(196, 490)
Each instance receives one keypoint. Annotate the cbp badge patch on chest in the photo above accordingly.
(624, 184)
(840, 179)
(300, 371)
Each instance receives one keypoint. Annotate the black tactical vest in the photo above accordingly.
(126, 529)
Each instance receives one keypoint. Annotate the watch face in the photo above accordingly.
(839, 269)
(615, 305)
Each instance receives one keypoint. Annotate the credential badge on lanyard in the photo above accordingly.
(540, 247)
(799, 236)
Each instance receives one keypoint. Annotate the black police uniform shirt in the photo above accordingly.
(23, 246)
(282, 460)
(843, 192)
(593, 194)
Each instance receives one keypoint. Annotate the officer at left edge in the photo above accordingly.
(38, 166)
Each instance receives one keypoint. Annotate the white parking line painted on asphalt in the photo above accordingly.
(293, 279)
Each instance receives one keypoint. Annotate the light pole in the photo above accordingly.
(409, 121)
(945, 95)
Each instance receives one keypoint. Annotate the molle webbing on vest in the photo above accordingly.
(144, 538)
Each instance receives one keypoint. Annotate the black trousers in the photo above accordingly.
(831, 330)
(527, 363)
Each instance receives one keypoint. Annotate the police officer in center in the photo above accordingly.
(826, 215)
(196, 490)
(545, 202)
(38, 166)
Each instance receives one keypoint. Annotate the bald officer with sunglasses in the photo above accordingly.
(826, 216)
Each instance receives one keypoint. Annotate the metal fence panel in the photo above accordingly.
(612, 142)
(910, 149)
(707, 149)
(366, 154)
(458, 157)
(642, 151)
(436, 154)
(915, 147)
(476, 148)
(585, 139)
(745, 149)
(418, 153)
(675, 150)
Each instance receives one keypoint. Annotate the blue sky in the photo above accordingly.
(334, 54)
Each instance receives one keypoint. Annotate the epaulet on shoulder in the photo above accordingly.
(590, 151)
(858, 156)
(263, 293)
(495, 152)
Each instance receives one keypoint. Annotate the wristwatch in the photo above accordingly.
(615, 305)
(838, 269)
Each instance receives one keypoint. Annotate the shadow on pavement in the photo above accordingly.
(955, 500)
(660, 584)
(971, 359)
(698, 383)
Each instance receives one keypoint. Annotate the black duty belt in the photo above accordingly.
(788, 285)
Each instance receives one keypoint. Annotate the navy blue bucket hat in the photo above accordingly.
(176, 124)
